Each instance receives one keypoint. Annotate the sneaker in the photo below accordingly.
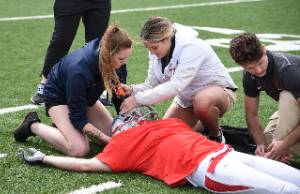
(219, 139)
(104, 99)
(23, 131)
(38, 97)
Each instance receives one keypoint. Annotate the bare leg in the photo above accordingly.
(185, 114)
(65, 137)
(100, 117)
(210, 104)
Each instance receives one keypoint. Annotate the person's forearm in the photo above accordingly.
(67, 163)
(256, 130)
(96, 134)
(76, 164)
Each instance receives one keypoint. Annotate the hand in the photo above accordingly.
(128, 104)
(260, 150)
(287, 159)
(128, 89)
(33, 157)
(277, 150)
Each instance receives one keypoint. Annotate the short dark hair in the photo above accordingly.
(245, 48)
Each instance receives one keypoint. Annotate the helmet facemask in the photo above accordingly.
(132, 118)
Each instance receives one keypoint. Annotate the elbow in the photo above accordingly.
(77, 117)
(78, 123)
(84, 166)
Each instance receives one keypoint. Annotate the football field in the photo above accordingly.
(25, 31)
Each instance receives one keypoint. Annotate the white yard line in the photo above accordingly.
(31, 106)
(17, 108)
(97, 188)
(234, 69)
(2, 155)
(140, 9)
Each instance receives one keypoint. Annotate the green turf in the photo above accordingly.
(23, 45)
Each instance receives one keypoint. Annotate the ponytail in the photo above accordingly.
(113, 40)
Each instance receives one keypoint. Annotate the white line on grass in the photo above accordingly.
(139, 9)
(30, 106)
(234, 69)
(97, 188)
(18, 108)
(2, 155)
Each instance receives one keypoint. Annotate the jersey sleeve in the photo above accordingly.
(187, 68)
(291, 80)
(249, 85)
(110, 158)
(77, 100)
(151, 80)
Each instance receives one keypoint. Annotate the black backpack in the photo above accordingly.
(239, 138)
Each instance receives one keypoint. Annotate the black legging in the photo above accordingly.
(95, 22)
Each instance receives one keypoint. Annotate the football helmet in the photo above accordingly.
(132, 118)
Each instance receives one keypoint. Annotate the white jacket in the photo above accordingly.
(193, 66)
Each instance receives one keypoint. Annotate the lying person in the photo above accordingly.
(169, 150)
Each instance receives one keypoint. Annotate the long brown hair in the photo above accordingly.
(113, 40)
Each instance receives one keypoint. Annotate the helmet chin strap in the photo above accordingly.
(131, 119)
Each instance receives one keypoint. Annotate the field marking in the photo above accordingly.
(234, 69)
(2, 155)
(31, 106)
(17, 108)
(97, 188)
(139, 9)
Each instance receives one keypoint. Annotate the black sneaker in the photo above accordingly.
(219, 139)
(23, 131)
(38, 97)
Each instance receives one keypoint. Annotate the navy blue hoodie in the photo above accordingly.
(76, 81)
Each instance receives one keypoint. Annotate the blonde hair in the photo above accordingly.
(113, 40)
(157, 28)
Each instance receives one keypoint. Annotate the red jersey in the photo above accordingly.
(167, 149)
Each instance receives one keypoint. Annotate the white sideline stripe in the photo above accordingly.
(139, 9)
(17, 109)
(26, 18)
(234, 69)
(2, 155)
(30, 106)
(97, 188)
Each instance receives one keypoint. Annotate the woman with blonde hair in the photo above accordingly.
(72, 91)
(185, 67)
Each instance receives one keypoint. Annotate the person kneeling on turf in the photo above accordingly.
(169, 150)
